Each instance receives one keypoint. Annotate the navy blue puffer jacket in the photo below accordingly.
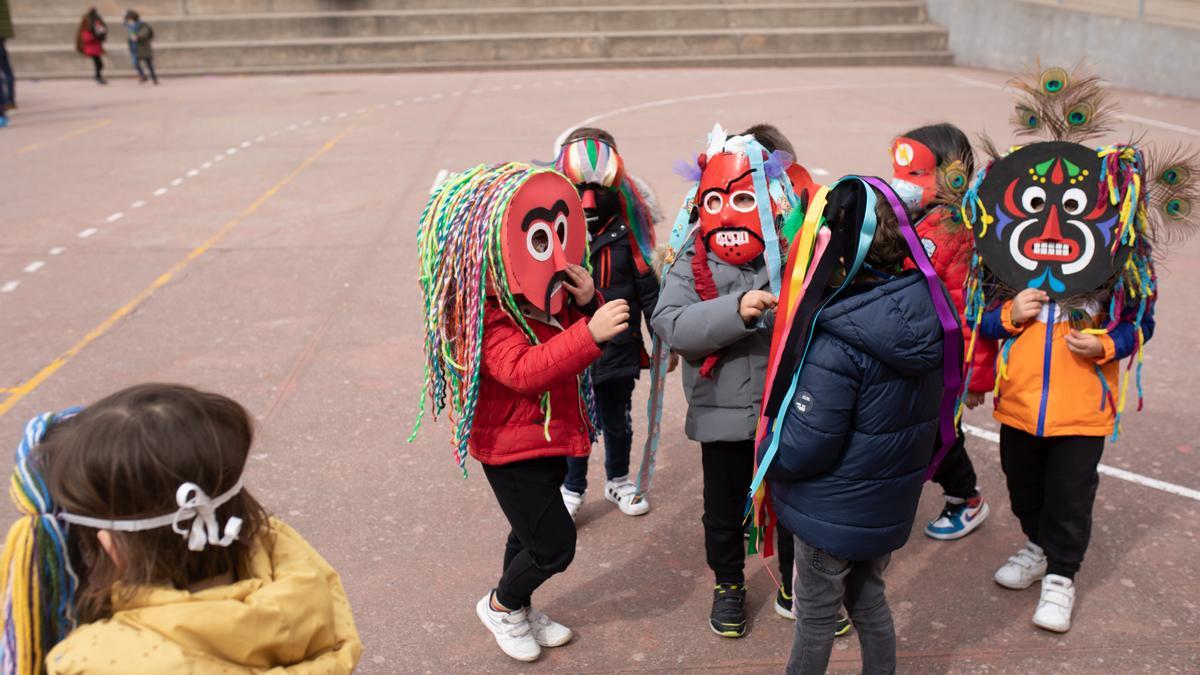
(860, 431)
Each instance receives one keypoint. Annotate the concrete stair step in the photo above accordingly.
(503, 20)
(825, 59)
(505, 48)
(32, 9)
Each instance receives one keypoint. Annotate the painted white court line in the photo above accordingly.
(218, 158)
(819, 172)
(1122, 474)
(324, 118)
(57, 250)
(260, 139)
(138, 204)
(398, 102)
(114, 217)
(675, 100)
(438, 180)
(245, 144)
(418, 99)
(9, 287)
(160, 192)
(84, 234)
(206, 166)
(177, 182)
(343, 114)
(35, 266)
(231, 151)
(292, 127)
(435, 95)
(192, 173)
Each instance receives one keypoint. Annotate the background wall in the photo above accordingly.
(1145, 55)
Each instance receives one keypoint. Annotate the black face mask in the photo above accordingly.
(608, 205)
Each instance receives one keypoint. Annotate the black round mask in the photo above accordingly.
(1049, 222)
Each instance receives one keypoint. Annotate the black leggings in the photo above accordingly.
(542, 541)
(98, 64)
(728, 472)
(1052, 484)
(956, 473)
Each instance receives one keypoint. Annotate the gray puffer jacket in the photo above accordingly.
(724, 407)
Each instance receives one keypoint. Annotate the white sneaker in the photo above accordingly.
(1022, 569)
(573, 500)
(512, 630)
(1054, 607)
(622, 492)
(547, 631)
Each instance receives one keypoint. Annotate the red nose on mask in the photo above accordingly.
(589, 199)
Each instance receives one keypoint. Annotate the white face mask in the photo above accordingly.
(909, 193)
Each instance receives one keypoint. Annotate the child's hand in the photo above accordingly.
(1027, 305)
(1085, 344)
(609, 321)
(754, 303)
(672, 362)
(974, 399)
(579, 285)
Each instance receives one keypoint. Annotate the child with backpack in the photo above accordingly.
(141, 550)
(141, 35)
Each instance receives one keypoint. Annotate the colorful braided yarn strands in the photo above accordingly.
(458, 240)
(1136, 289)
(591, 160)
(35, 570)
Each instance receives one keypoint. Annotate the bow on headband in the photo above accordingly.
(194, 505)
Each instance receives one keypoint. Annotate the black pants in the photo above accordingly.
(614, 403)
(137, 63)
(728, 471)
(542, 541)
(8, 83)
(98, 64)
(1052, 486)
(956, 473)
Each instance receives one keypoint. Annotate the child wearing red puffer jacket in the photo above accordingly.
(932, 166)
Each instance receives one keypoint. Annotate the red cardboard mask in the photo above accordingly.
(729, 220)
(914, 172)
(543, 232)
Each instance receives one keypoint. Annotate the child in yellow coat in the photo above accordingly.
(141, 550)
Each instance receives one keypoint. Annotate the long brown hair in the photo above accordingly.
(124, 457)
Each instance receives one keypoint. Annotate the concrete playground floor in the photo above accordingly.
(255, 236)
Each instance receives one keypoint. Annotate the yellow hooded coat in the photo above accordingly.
(290, 616)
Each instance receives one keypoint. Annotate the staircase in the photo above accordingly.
(200, 37)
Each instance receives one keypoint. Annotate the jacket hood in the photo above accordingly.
(895, 322)
(290, 612)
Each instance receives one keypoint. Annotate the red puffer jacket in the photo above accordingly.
(509, 421)
(950, 254)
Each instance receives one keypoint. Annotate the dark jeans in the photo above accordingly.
(8, 83)
(137, 63)
(614, 401)
(98, 64)
(956, 473)
(1052, 485)
(728, 471)
(542, 541)
(823, 585)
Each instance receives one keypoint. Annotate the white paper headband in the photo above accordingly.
(194, 505)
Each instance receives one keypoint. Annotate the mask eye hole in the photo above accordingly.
(744, 201)
(1033, 199)
(561, 226)
(1074, 201)
(537, 240)
(713, 201)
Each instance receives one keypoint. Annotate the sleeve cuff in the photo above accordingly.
(1006, 319)
(1110, 349)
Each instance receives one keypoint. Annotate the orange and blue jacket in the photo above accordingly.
(1049, 391)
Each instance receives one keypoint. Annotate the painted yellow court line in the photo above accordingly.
(67, 136)
(24, 389)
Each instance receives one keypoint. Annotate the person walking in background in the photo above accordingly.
(8, 88)
(141, 34)
(89, 41)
